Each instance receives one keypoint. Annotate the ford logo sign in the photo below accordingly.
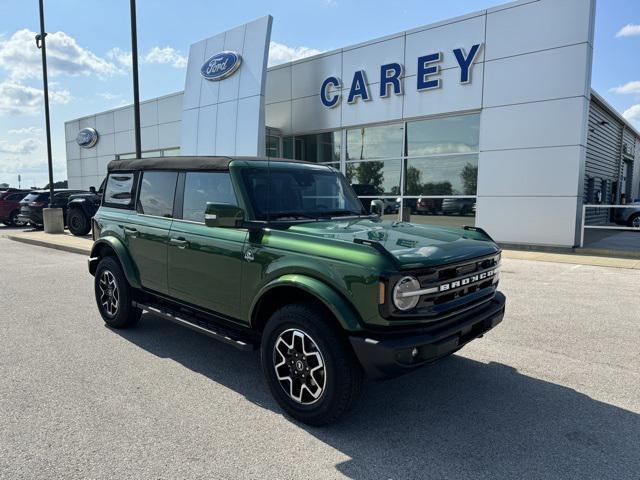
(221, 65)
(87, 137)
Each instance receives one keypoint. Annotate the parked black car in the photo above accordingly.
(31, 206)
(81, 208)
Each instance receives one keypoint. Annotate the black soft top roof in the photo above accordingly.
(183, 163)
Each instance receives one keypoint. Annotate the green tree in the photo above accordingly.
(469, 176)
(61, 184)
(370, 173)
(412, 181)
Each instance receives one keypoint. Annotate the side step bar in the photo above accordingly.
(197, 325)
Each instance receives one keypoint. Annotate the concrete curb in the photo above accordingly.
(56, 246)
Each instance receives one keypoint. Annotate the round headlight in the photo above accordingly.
(406, 285)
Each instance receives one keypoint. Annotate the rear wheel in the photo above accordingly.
(13, 220)
(634, 221)
(114, 295)
(78, 222)
(310, 368)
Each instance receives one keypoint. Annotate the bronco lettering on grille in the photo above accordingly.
(467, 281)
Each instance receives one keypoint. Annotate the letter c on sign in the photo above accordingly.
(330, 99)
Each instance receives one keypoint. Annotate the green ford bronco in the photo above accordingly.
(281, 256)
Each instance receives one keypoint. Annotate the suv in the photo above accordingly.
(628, 216)
(10, 206)
(281, 256)
(81, 208)
(32, 205)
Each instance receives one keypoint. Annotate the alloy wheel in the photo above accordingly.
(299, 366)
(109, 293)
(636, 222)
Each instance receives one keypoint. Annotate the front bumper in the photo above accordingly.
(388, 356)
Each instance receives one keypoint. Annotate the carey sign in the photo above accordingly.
(391, 79)
(87, 137)
(221, 65)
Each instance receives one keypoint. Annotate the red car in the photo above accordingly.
(10, 207)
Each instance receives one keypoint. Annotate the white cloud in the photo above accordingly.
(109, 96)
(120, 56)
(166, 55)
(16, 98)
(629, 87)
(633, 114)
(629, 30)
(22, 59)
(23, 147)
(25, 130)
(280, 53)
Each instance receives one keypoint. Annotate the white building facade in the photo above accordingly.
(482, 119)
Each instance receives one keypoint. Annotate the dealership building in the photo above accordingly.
(487, 119)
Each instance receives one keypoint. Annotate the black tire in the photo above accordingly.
(635, 219)
(341, 376)
(114, 295)
(13, 220)
(78, 222)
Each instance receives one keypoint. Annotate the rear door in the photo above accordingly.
(147, 238)
(205, 262)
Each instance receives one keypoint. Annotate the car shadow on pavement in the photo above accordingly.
(459, 418)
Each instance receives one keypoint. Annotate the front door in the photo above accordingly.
(205, 262)
(148, 236)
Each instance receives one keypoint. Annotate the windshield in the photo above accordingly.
(297, 194)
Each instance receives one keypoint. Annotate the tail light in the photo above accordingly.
(38, 204)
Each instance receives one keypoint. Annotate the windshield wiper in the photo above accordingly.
(291, 215)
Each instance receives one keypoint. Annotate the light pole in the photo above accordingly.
(41, 44)
(134, 66)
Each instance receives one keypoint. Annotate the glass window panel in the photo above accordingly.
(156, 193)
(203, 187)
(119, 189)
(273, 146)
(443, 135)
(126, 156)
(287, 147)
(375, 177)
(449, 212)
(385, 141)
(319, 147)
(447, 175)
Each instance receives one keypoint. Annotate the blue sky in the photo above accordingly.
(89, 41)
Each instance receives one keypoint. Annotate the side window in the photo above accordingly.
(203, 187)
(119, 190)
(157, 190)
(16, 197)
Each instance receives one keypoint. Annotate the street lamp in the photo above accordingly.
(41, 44)
(134, 66)
(52, 217)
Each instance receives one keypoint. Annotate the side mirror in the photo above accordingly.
(223, 215)
(377, 207)
(92, 189)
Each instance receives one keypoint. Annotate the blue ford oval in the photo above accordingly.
(221, 65)
(87, 137)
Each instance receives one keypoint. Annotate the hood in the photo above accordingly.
(87, 195)
(412, 245)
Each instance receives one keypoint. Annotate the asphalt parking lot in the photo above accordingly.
(553, 392)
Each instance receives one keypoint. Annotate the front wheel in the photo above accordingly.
(114, 295)
(309, 366)
(78, 222)
(634, 221)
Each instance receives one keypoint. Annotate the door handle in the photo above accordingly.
(181, 243)
(132, 232)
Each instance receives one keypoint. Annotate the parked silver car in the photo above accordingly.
(628, 216)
